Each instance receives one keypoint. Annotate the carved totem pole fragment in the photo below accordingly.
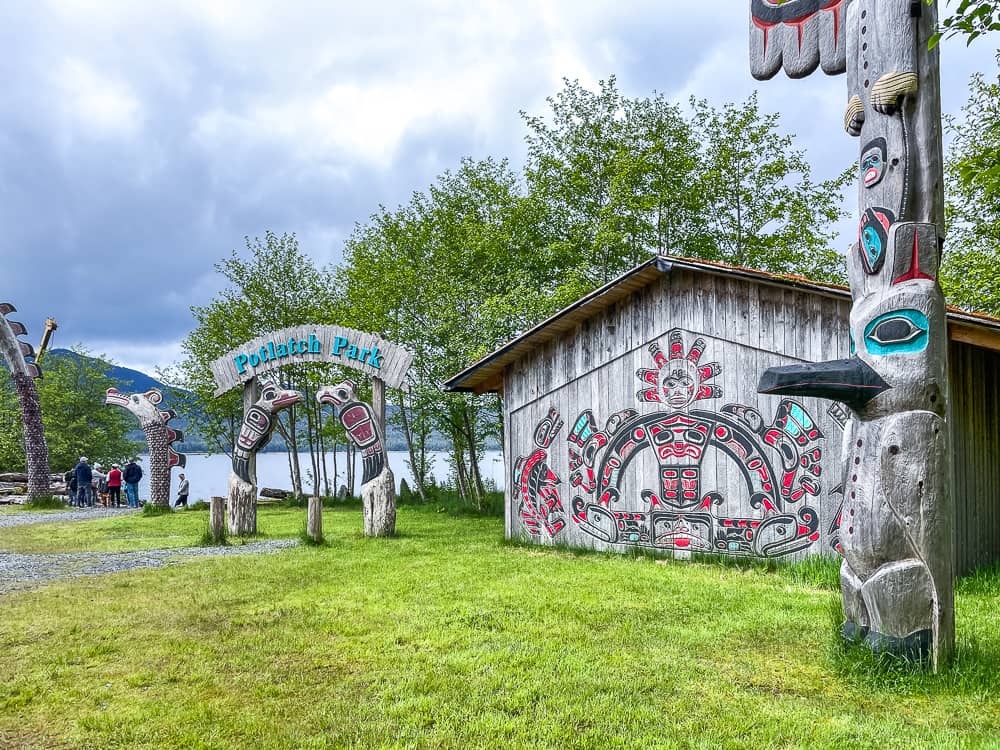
(897, 515)
(378, 485)
(259, 422)
(159, 437)
(24, 373)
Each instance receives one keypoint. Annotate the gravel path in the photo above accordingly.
(76, 514)
(19, 572)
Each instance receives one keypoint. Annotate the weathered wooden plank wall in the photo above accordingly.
(975, 400)
(748, 326)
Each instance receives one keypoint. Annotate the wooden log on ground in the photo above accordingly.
(314, 522)
(16, 477)
(274, 493)
(217, 519)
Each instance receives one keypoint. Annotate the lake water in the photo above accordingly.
(209, 474)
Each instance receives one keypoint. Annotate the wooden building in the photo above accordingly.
(632, 418)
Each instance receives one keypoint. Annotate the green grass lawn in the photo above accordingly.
(449, 637)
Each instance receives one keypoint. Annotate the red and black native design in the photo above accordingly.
(779, 461)
(539, 507)
(358, 419)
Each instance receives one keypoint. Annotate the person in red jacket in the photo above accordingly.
(115, 485)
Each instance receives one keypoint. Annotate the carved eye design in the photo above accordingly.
(269, 393)
(897, 332)
(874, 161)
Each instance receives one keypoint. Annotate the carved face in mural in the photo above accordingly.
(677, 385)
(873, 162)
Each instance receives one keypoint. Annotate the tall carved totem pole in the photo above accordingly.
(897, 516)
(363, 426)
(159, 437)
(24, 373)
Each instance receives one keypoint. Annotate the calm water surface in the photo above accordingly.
(209, 475)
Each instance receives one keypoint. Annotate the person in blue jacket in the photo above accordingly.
(84, 497)
(131, 477)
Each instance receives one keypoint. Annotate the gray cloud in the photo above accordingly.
(138, 147)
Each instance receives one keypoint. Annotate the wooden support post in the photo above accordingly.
(251, 392)
(378, 402)
(217, 519)
(314, 522)
(243, 495)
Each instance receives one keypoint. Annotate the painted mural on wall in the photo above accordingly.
(696, 448)
(539, 506)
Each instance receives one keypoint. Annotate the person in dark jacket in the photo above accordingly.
(70, 478)
(131, 476)
(83, 478)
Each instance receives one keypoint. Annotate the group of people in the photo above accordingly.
(86, 485)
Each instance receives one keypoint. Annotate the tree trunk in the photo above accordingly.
(378, 499)
(336, 478)
(458, 456)
(36, 450)
(242, 507)
(294, 447)
(314, 521)
(415, 469)
(323, 464)
(473, 457)
(217, 520)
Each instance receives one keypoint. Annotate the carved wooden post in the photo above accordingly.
(378, 402)
(314, 521)
(24, 373)
(217, 519)
(896, 529)
(378, 485)
(162, 457)
(259, 416)
(251, 392)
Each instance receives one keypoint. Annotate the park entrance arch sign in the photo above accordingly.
(386, 363)
(335, 345)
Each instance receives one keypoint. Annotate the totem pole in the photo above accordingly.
(896, 524)
(259, 422)
(23, 373)
(162, 457)
(378, 485)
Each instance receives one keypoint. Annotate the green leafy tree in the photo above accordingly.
(458, 270)
(626, 177)
(762, 208)
(76, 421)
(274, 286)
(971, 268)
(615, 174)
(971, 19)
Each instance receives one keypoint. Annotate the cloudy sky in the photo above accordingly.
(138, 146)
